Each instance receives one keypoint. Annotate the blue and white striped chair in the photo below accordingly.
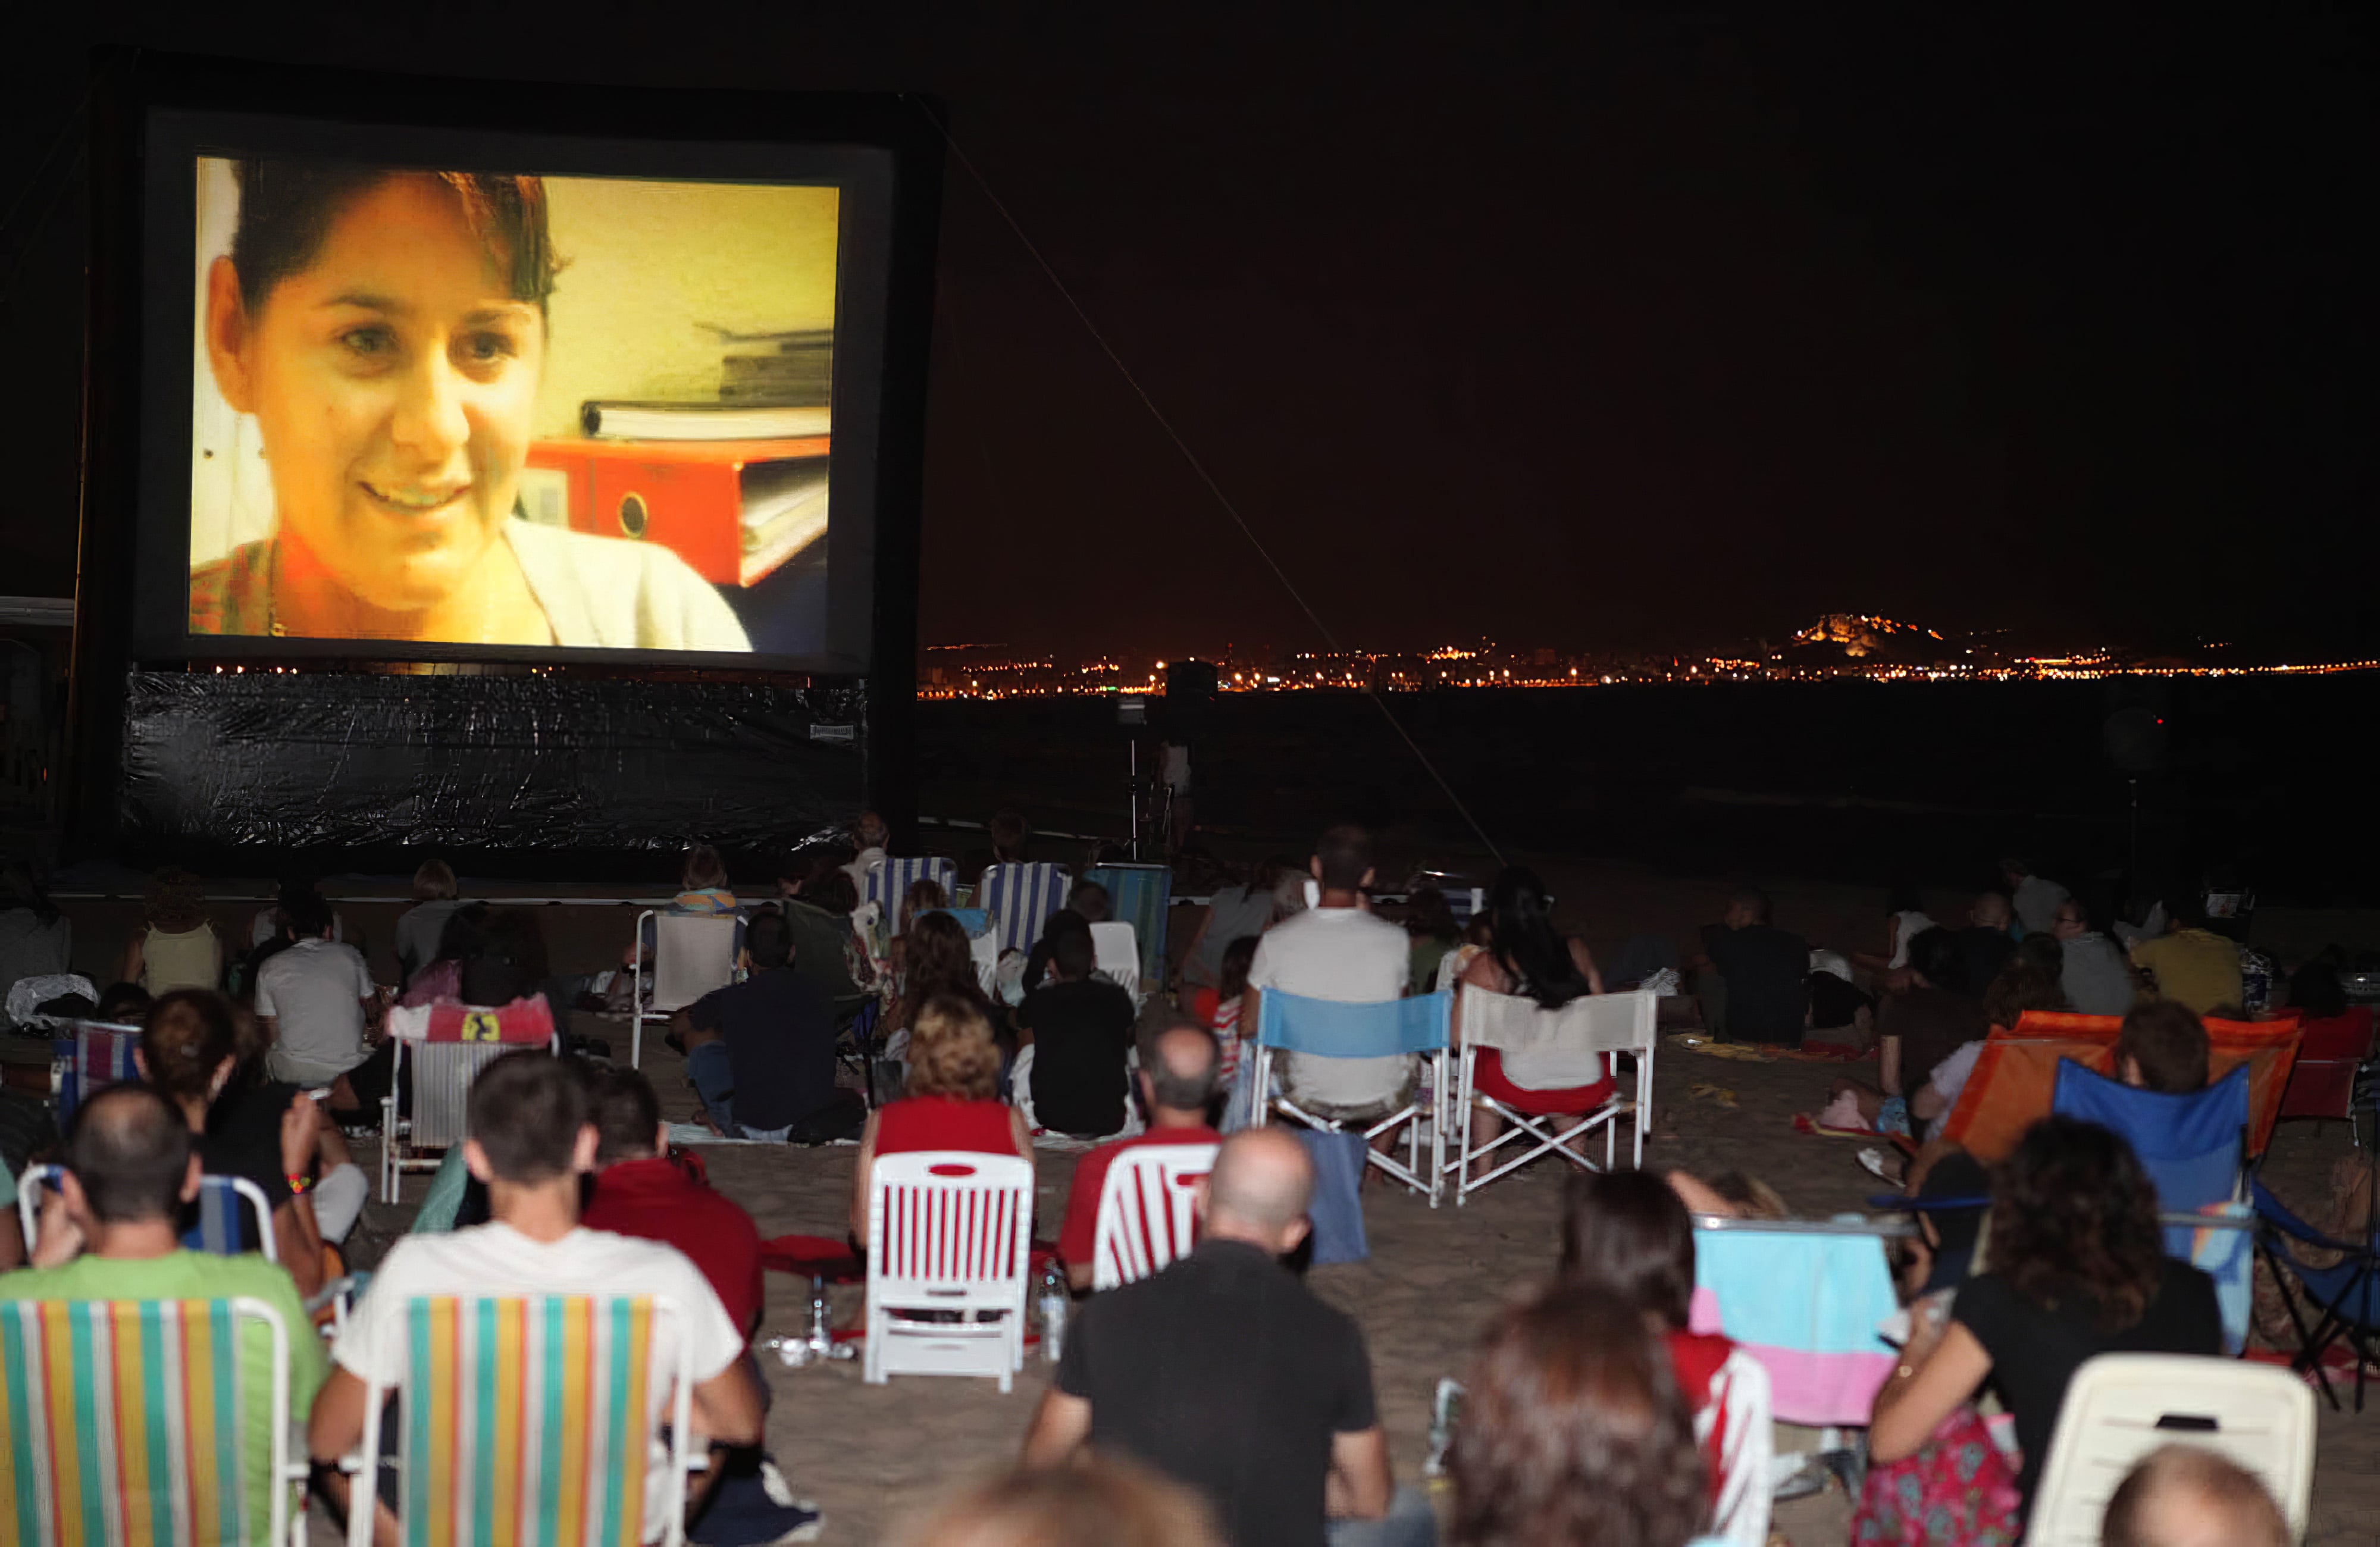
(889, 880)
(1414, 1027)
(1021, 897)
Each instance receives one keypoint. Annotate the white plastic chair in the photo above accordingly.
(1116, 950)
(948, 1231)
(2121, 1407)
(1566, 1048)
(984, 951)
(693, 953)
(1148, 1210)
(1414, 1027)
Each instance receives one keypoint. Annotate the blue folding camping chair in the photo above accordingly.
(2344, 1293)
(2194, 1145)
(1416, 1027)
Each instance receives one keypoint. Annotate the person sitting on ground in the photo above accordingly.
(1904, 920)
(315, 1006)
(1059, 925)
(272, 923)
(2094, 973)
(2078, 1268)
(1076, 1029)
(1339, 950)
(2162, 1047)
(1220, 1007)
(1528, 958)
(531, 1142)
(641, 1190)
(2033, 899)
(441, 977)
(1986, 944)
(1628, 1240)
(1179, 1072)
(2032, 979)
(1573, 1431)
(873, 840)
(2191, 965)
(1223, 1371)
(1095, 1501)
(761, 1052)
(1920, 1027)
(176, 947)
(1429, 924)
(1763, 973)
(951, 1102)
(421, 929)
(2185, 1495)
(1242, 908)
(1838, 1006)
(131, 1170)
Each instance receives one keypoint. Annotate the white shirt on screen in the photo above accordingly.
(314, 991)
(1355, 958)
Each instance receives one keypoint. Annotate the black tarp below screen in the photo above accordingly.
(315, 761)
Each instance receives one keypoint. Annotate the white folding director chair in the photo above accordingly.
(1149, 1212)
(949, 1232)
(693, 953)
(1559, 1050)
(1410, 1028)
(1117, 952)
(441, 1048)
(2121, 1407)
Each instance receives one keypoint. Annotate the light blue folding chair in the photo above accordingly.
(2191, 1145)
(891, 881)
(1021, 897)
(1141, 896)
(233, 1215)
(1410, 1028)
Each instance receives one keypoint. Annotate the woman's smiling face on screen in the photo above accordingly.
(393, 379)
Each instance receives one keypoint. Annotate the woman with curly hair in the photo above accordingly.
(953, 1099)
(2078, 1268)
(1574, 1434)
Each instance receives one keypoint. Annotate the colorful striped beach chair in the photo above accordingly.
(233, 1214)
(120, 1425)
(98, 1053)
(529, 1420)
(1141, 896)
(890, 880)
(1021, 897)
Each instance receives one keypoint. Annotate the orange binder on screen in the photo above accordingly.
(734, 510)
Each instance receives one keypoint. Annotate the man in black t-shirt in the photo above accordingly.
(761, 1052)
(1225, 1372)
(1765, 971)
(1079, 1028)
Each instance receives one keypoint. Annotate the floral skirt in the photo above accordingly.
(1958, 1488)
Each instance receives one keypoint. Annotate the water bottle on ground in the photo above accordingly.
(1053, 1299)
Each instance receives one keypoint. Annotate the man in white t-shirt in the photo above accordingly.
(313, 999)
(1338, 949)
(531, 1140)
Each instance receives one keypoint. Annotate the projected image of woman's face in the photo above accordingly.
(393, 380)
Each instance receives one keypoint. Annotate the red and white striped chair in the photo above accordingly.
(1148, 1210)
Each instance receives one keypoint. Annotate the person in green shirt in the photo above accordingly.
(109, 1233)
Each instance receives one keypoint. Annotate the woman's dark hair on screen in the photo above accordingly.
(287, 206)
(1526, 946)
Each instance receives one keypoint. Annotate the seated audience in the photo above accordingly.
(2033, 899)
(702, 883)
(1838, 1004)
(1904, 920)
(761, 1052)
(2185, 1495)
(936, 963)
(924, 895)
(1062, 923)
(36, 940)
(2096, 979)
(1009, 834)
(1986, 944)
(1095, 1501)
(441, 977)
(952, 1100)
(1076, 1028)
(1528, 958)
(131, 1170)
(1628, 1241)
(123, 1003)
(314, 1004)
(176, 947)
(421, 929)
(1225, 1372)
(272, 923)
(1339, 950)
(2033, 978)
(1763, 973)
(2191, 965)
(2162, 1047)
(2078, 1268)
(873, 840)
(1090, 899)
(1219, 1006)
(817, 899)
(1429, 924)
(530, 1142)
(1572, 1431)
(1244, 907)
(1917, 1031)
(1179, 1072)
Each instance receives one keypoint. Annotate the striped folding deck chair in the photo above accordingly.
(120, 1424)
(442, 1047)
(98, 1053)
(890, 880)
(530, 1421)
(1021, 897)
(1141, 896)
(233, 1216)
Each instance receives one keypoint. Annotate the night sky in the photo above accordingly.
(1657, 327)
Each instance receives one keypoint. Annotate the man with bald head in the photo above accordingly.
(1179, 1062)
(1225, 1372)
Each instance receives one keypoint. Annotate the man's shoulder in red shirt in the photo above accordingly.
(1075, 1238)
(656, 1200)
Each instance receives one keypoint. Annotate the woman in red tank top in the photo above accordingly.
(952, 1101)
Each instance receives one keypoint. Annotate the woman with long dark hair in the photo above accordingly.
(1528, 957)
(2078, 1268)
